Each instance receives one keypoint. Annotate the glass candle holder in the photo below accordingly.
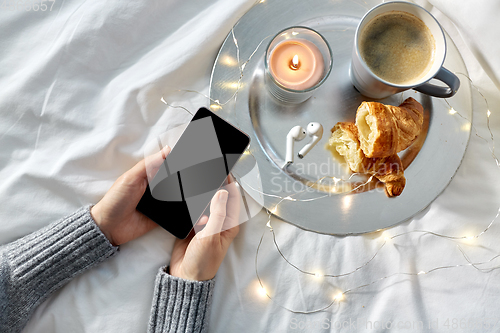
(297, 61)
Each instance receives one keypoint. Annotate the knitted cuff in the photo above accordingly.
(180, 305)
(45, 260)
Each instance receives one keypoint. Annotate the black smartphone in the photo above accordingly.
(193, 172)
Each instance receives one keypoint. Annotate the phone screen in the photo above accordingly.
(193, 172)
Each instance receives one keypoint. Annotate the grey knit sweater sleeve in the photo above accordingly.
(180, 305)
(38, 264)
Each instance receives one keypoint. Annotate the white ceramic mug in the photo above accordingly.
(370, 85)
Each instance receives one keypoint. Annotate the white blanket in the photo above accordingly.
(80, 99)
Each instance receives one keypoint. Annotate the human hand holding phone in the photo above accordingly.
(199, 256)
(200, 161)
(115, 214)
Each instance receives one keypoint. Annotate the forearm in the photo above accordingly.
(180, 305)
(38, 264)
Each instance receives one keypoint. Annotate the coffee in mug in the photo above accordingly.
(398, 47)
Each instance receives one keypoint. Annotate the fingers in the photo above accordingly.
(155, 161)
(217, 214)
(203, 220)
(200, 224)
(145, 225)
(233, 207)
(220, 221)
(149, 165)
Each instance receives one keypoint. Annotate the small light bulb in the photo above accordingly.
(262, 291)
(488, 113)
(420, 273)
(339, 297)
(318, 275)
(453, 111)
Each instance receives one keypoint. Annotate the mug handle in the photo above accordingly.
(444, 75)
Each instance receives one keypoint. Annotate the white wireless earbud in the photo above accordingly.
(314, 130)
(297, 133)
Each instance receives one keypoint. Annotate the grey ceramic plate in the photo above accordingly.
(429, 165)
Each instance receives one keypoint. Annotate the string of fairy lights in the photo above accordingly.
(216, 104)
(386, 239)
(340, 295)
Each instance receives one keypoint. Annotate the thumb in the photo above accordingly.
(149, 165)
(217, 214)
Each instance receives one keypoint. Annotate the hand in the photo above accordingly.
(199, 256)
(116, 213)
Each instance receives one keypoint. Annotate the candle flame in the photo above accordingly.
(295, 63)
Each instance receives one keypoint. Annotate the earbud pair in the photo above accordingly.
(298, 133)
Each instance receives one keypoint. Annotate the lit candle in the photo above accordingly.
(297, 61)
(296, 64)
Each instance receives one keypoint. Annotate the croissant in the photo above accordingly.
(389, 170)
(385, 130)
(344, 139)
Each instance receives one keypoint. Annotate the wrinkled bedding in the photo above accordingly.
(80, 98)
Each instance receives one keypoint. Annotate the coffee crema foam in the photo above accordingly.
(398, 47)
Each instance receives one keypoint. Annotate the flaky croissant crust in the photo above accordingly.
(389, 170)
(385, 130)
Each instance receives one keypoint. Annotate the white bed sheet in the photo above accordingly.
(80, 99)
